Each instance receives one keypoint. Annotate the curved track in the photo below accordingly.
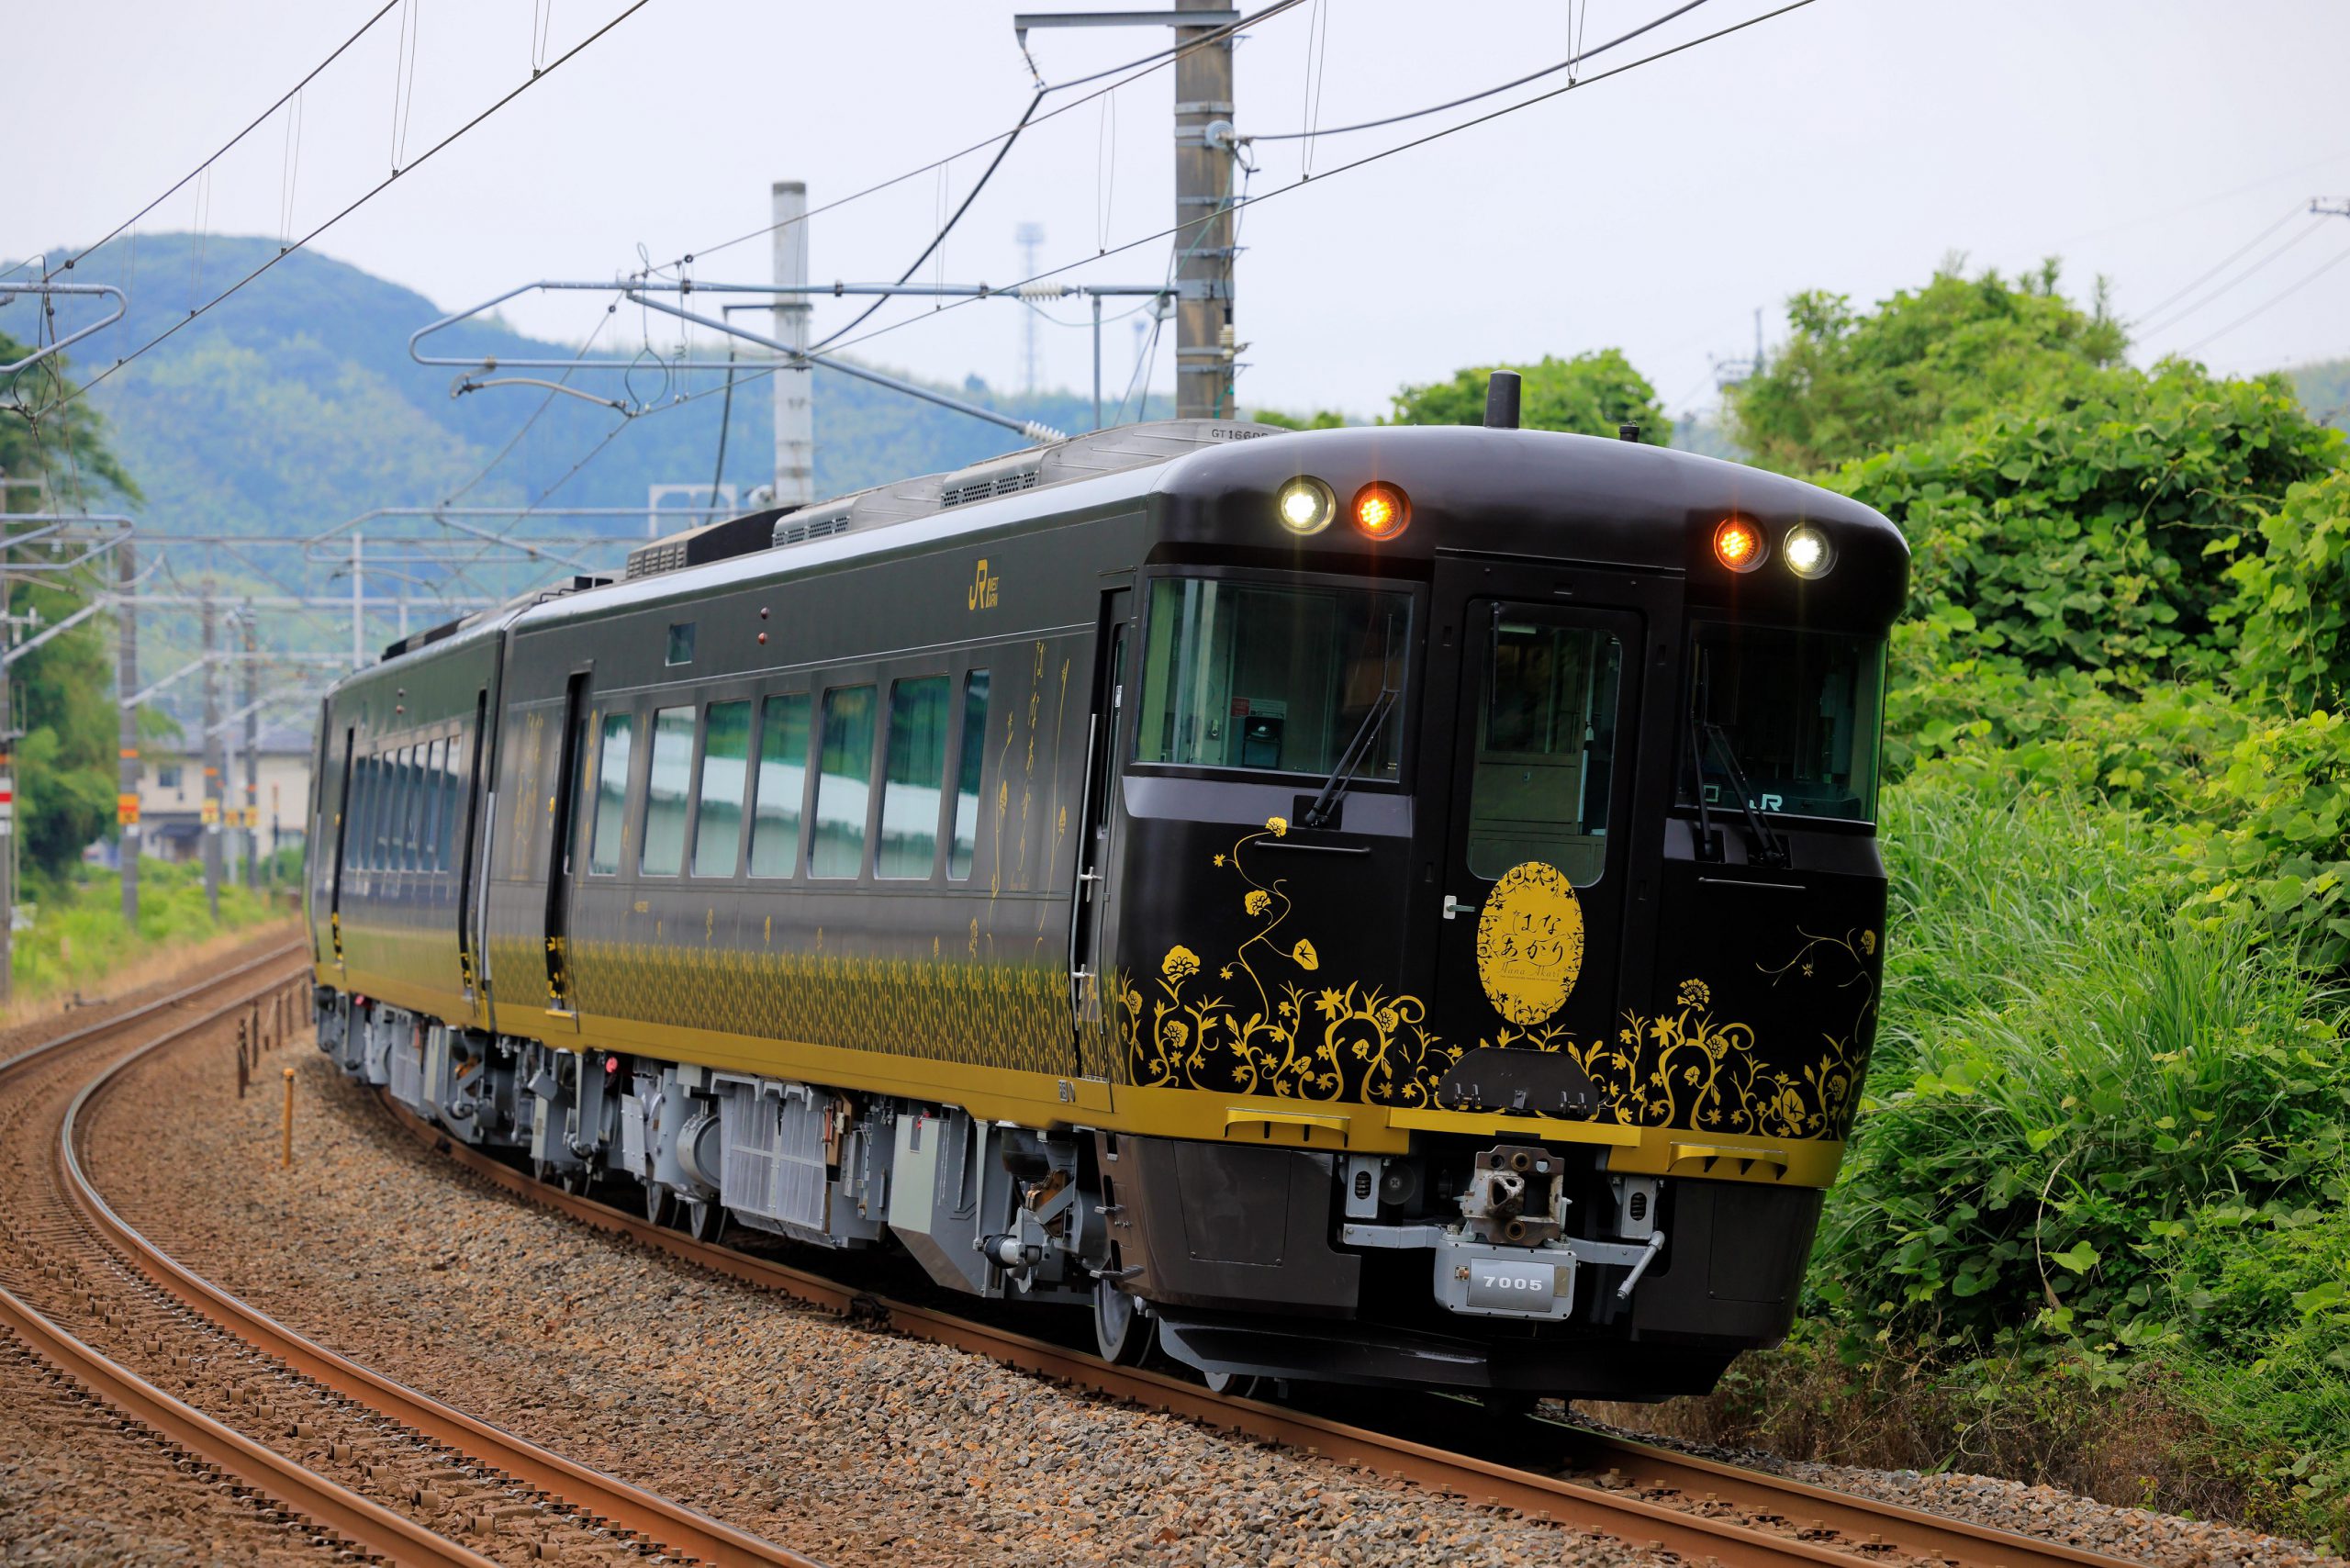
(1696, 1507)
(242, 1399)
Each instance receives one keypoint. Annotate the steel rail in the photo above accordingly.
(324, 1501)
(587, 1491)
(1872, 1528)
(328, 1504)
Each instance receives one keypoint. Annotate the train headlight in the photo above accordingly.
(1808, 553)
(1382, 512)
(1307, 505)
(1739, 545)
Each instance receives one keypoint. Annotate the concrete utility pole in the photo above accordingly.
(1204, 250)
(1204, 159)
(250, 820)
(211, 753)
(125, 805)
(795, 428)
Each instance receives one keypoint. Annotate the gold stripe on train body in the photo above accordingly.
(983, 1014)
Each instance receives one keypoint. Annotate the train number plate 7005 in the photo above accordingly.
(1498, 1286)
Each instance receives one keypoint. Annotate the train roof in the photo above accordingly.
(1210, 486)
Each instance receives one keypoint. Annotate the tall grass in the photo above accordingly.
(2095, 1223)
(79, 941)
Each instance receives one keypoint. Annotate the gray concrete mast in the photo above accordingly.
(795, 428)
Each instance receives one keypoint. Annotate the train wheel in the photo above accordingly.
(702, 1220)
(657, 1203)
(1235, 1385)
(1124, 1334)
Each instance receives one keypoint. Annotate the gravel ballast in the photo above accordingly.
(849, 1444)
(852, 1445)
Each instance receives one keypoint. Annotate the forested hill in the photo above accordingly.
(294, 404)
(2324, 388)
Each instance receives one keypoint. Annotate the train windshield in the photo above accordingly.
(1247, 674)
(1798, 713)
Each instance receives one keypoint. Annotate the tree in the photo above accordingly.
(65, 755)
(2094, 525)
(1589, 395)
(1849, 383)
(1322, 420)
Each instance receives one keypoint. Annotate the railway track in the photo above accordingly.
(242, 1406)
(1696, 1508)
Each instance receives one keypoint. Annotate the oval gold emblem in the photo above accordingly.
(1529, 942)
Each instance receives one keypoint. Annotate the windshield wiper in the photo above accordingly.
(1768, 849)
(1708, 846)
(1335, 789)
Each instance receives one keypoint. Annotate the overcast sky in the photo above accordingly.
(1848, 146)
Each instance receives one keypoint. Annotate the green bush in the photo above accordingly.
(79, 939)
(2106, 1135)
(2294, 596)
(1849, 383)
(2094, 528)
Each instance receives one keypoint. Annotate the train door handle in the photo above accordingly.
(1454, 907)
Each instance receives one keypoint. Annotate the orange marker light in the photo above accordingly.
(1739, 545)
(1382, 512)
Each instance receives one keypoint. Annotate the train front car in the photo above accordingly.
(1488, 915)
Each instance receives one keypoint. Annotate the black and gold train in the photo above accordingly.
(1389, 905)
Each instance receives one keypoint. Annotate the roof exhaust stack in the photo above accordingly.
(1628, 433)
(1501, 401)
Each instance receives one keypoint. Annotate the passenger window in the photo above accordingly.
(396, 826)
(611, 794)
(1545, 750)
(782, 785)
(968, 764)
(725, 768)
(909, 787)
(452, 800)
(843, 783)
(378, 808)
(665, 793)
(354, 818)
(415, 755)
(428, 849)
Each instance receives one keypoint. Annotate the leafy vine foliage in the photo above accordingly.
(2106, 1140)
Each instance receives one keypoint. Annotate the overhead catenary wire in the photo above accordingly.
(946, 228)
(364, 198)
(2151, 311)
(1175, 230)
(1570, 63)
(1180, 229)
(1149, 63)
(2274, 299)
(2175, 317)
(312, 75)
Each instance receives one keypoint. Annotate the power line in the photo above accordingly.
(2177, 316)
(1155, 63)
(1178, 228)
(1368, 158)
(2277, 299)
(1571, 60)
(179, 184)
(1175, 230)
(948, 226)
(2233, 257)
(374, 191)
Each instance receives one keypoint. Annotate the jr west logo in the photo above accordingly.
(981, 594)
